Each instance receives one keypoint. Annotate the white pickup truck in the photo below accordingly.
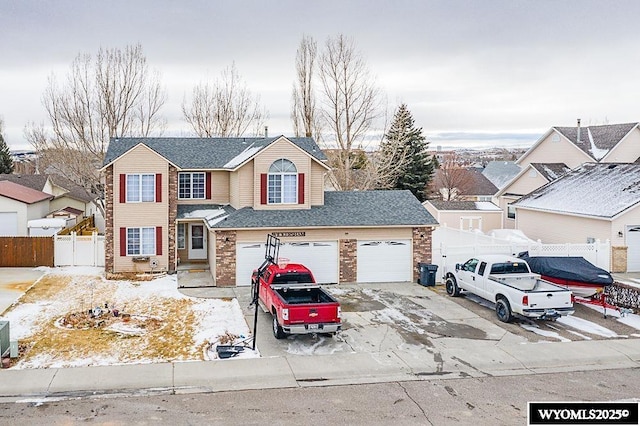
(509, 283)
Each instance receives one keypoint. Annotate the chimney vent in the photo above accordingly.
(266, 131)
(578, 138)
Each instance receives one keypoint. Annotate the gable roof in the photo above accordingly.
(340, 209)
(470, 181)
(38, 183)
(22, 193)
(551, 171)
(463, 205)
(595, 141)
(500, 173)
(601, 190)
(207, 153)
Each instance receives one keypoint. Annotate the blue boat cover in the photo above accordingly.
(573, 268)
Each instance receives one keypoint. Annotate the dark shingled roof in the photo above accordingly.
(38, 182)
(464, 205)
(551, 171)
(341, 209)
(204, 153)
(604, 137)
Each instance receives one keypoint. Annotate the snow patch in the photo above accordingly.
(586, 326)
(544, 333)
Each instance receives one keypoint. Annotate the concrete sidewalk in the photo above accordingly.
(448, 358)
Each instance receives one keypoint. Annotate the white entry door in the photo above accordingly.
(197, 241)
(633, 249)
(321, 257)
(384, 261)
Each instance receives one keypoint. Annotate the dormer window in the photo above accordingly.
(282, 183)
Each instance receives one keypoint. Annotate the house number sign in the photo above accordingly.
(288, 234)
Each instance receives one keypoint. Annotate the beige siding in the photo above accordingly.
(556, 228)
(503, 202)
(62, 202)
(630, 218)
(140, 160)
(330, 234)
(246, 185)
(276, 151)
(461, 219)
(526, 183)
(219, 190)
(627, 151)
(559, 151)
(234, 190)
(317, 184)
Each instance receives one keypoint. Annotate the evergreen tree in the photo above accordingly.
(404, 144)
(6, 162)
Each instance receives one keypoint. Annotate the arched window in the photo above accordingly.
(282, 183)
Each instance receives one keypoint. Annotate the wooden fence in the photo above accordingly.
(26, 251)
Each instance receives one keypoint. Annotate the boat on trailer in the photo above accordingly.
(582, 277)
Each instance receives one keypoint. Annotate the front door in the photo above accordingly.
(197, 241)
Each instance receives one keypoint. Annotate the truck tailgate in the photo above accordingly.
(313, 313)
(549, 299)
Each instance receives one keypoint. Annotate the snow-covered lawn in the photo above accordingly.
(75, 317)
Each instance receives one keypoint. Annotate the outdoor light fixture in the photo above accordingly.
(620, 234)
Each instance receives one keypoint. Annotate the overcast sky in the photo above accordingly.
(471, 72)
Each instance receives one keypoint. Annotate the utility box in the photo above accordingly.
(427, 274)
(13, 349)
(4, 338)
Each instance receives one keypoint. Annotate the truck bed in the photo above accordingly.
(526, 282)
(301, 296)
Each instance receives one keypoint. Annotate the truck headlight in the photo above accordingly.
(285, 314)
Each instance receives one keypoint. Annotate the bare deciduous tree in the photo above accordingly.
(451, 180)
(351, 104)
(225, 108)
(303, 109)
(114, 95)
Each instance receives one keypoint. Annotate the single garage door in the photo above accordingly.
(319, 256)
(8, 223)
(384, 261)
(633, 249)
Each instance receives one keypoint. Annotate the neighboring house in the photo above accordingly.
(593, 201)
(573, 146)
(18, 205)
(68, 197)
(462, 184)
(215, 200)
(466, 215)
(500, 173)
(531, 177)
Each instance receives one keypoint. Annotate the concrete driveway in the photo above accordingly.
(14, 282)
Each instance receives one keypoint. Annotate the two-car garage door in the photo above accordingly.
(377, 261)
(633, 249)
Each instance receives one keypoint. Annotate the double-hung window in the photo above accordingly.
(141, 241)
(141, 188)
(191, 185)
(282, 183)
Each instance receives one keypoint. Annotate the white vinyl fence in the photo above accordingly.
(451, 246)
(78, 250)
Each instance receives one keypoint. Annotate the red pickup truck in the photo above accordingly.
(298, 305)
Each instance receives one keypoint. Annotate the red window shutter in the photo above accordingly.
(263, 188)
(301, 188)
(158, 187)
(158, 240)
(123, 188)
(208, 185)
(123, 241)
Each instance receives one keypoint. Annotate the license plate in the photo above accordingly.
(313, 326)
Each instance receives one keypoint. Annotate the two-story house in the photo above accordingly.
(564, 148)
(215, 200)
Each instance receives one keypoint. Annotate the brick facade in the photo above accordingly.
(348, 261)
(421, 249)
(173, 214)
(108, 231)
(225, 258)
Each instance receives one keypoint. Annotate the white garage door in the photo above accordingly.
(320, 257)
(633, 249)
(8, 223)
(384, 261)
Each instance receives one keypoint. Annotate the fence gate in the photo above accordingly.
(79, 250)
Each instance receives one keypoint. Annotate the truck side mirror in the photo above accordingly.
(457, 266)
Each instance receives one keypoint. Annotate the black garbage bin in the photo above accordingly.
(427, 274)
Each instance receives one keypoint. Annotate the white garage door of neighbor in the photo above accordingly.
(633, 249)
(320, 257)
(381, 261)
(8, 223)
